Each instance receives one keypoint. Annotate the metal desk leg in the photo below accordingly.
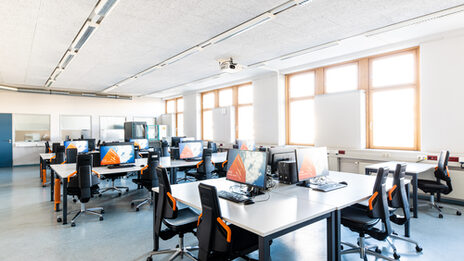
(52, 185)
(65, 201)
(173, 174)
(406, 225)
(155, 237)
(57, 187)
(414, 194)
(331, 245)
(337, 233)
(264, 249)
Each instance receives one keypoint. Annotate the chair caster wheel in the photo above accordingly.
(132, 204)
(418, 249)
(127, 190)
(440, 207)
(101, 218)
(73, 224)
(149, 258)
(59, 219)
(440, 216)
(119, 194)
(99, 195)
(458, 213)
(396, 256)
(137, 209)
(341, 247)
(74, 200)
(102, 211)
(378, 251)
(394, 233)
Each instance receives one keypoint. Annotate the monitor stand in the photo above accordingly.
(313, 181)
(253, 191)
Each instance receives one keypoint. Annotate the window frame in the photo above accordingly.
(176, 113)
(235, 103)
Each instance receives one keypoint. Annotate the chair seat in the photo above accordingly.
(243, 241)
(432, 186)
(356, 218)
(186, 220)
(146, 183)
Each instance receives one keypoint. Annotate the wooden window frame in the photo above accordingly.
(364, 83)
(235, 103)
(175, 110)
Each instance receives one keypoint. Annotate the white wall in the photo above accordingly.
(192, 115)
(56, 105)
(442, 94)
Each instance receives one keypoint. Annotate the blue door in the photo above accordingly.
(6, 155)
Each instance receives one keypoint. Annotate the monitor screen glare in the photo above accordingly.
(117, 154)
(247, 167)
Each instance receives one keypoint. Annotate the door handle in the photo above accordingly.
(9, 141)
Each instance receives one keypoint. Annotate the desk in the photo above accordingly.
(64, 170)
(288, 212)
(44, 163)
(412, 169)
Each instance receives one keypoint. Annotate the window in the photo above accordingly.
(394, 103)
(241, 97)
(176, 106)
(75, 127)
(31, 127)
(150, 126)
(112, 128)
(301, 88)
(392, 91)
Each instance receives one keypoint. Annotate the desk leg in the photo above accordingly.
(40, 168)
(331, 245)
(406, 225)
(414, 194)
(52, 185)
(65, 201)
(57, 194)
(155, 237)
(264, 249)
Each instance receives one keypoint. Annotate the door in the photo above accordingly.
(6, 153)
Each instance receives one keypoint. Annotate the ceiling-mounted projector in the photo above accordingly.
(229, 66)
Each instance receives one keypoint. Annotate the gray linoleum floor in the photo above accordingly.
(29, 231)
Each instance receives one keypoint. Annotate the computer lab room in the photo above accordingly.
(214, 130)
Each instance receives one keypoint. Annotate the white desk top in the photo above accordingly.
(64, 170)
(219, 157)
(285, 210)
(411, 167)
(46, 156)
(177, 163)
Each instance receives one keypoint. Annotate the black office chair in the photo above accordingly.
(398, 201)
(363, 220)
(60, 155)
(148, 179)
(203, 170)
(216, 239)
(71, 155)
(54, 146)
(165, 149)
(177, 221)
(84, 184)
(436, 187)
(47, 147)
(212, 146)
(98, 144)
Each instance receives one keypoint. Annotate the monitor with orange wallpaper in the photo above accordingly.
(190, 150)
(141, 143)
(311, 162)
(116, 154)
(80, 145)
(246, 145)
(247, 167)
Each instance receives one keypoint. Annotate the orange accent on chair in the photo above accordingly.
(57, 192)
(173, 201)
(53, 157)
(63, 162)
(199, 218)
(72, 174)
(227, 228)
(96, 173)
(390, 192)
(371, 199)
(447, 171)
(144, 168)
(44, 177)
(224, 163)
(199, 163)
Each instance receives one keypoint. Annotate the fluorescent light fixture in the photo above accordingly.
(49, 83)
(248, 25)
(110, 88)
(59, 92)
(7, 88)
(303, 2)
(66, 61)
(89, 94)
(308, 50)
(112, 96)
(182, 55)
(417, 20)
(34, 91)
(104, 7)
(87, 33)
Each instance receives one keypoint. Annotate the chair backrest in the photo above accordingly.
(212, 146)
(55, 145)
(47, 147)
(98, 143)
(84, 176)
(150, 172)
(211, 232)
(397, 196)
(71, 155)
(442, 172)
(206, 167)
(165, 149)
(59, 154)
(378, 205)
(166, 207)
(96, 159)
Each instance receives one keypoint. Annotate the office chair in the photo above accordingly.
(148, 179)
(363, 219)
(47, 147)
(216, 239)
(55, 145)
(203, 170)
(71, 155)
(83, 185)
(177, 221)
(212, 146)
(165, 148)
(398, 199)
(98, 144)
(436, 187)
(113, 187)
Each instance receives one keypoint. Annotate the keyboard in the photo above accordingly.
(327, 187)
(121, 166)
(190, 160)
(232, 196)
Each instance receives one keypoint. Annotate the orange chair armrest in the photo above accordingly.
(371, 199)
(227, 228)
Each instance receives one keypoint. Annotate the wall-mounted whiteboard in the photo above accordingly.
(341, 120)
(224, 124)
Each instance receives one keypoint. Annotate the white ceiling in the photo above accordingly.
(138, 34)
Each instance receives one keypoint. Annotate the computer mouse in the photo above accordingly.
(343, 182)
(248, 202)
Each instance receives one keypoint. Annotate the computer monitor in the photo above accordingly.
(91, 143)
(246, 145)
(80, 145)
(311, 163)
(190, 150)
(278, 150)
(175, 141)
(117, 153)
(141, 143)
(278, 157)
(247, 167)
